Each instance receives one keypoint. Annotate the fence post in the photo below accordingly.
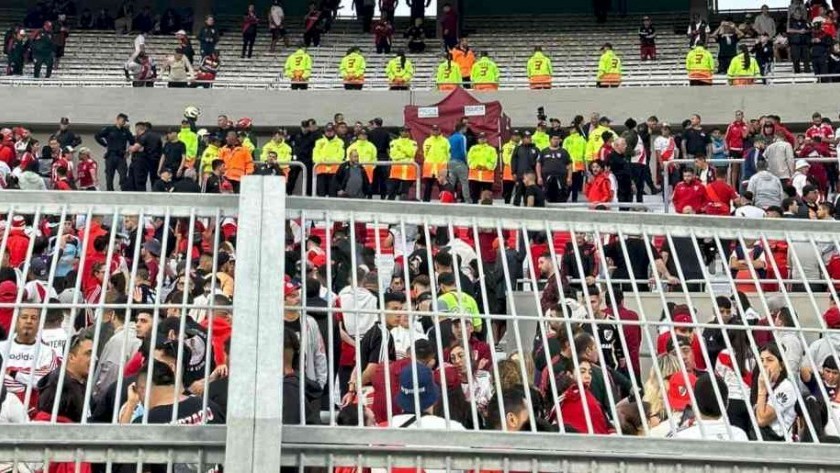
(254, 421)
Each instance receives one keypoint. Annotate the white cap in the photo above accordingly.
(203, 132)
(180, 33)
(801, 164)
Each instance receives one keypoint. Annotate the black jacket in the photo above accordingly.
(524, 159)
(342, 176)
(382, 140)
(304, 143)
(114, 139)
(187, 186)
(67, 138)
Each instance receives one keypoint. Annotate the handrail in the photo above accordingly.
(671, 78)
(304, 173)
(417, 182)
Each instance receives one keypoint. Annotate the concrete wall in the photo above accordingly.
(163, 107)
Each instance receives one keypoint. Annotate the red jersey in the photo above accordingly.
(604, 152)
(61, 162)
(62, 184)
(27, 159)
(720, 196)
(87, 173)
(823, 130)
(693, 195)
(7, 154)
(735, 134)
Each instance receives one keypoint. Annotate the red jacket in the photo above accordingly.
(57, 467)
(221, 334)
(720, 196)
(693, 195)
(7, 154)
(571, 408)
(735, 134)
(18, 246)
(599, 190)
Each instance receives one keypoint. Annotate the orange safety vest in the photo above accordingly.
(355, 79)
(704, 76)
(486, 86)
(238, 162)
(447, 86)
(507, 174)
(432, 170)
(404, 171)
(540, 82)
(464, 60)
(743, 81)
(481, 175)
(610, 79)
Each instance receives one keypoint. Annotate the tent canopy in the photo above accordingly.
(484, 117)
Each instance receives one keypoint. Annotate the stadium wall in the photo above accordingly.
(38, 107)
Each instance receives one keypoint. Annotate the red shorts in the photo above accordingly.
(648, 52)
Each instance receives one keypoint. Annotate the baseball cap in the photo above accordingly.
(678, 395)
(801, 163)
(832, 317)
(604, 120)
(18, 221)
(64, 121)
(169, 170)
(482, 135)
(180, 33)
(329, 127)
(38, 267)
(8, 291)
(426, 390)
(203, 132)
(435, 128)
(515, 133)
(289, 287)
(153, 246)
(123, 116)
(526, 133)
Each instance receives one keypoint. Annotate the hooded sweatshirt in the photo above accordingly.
(766, 189)
(30, 181)
(221, 333)
(572, 411)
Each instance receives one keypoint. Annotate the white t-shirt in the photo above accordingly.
(831, 428)
(20, 363)
(276, 13)
(402, 339)
(12, 411)
(712, 430)
(783, 401)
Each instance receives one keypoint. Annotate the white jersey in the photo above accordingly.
(783, 402)
(27, 364)
(711, 430)
(56, 338)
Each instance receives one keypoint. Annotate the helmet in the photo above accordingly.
(244, 122)
(192, 112)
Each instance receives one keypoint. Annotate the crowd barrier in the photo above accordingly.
(255, 437)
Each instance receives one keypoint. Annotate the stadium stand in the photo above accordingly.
(571, 41)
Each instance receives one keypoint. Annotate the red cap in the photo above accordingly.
(8, 291)
(289, 288)
(832, 317)
(678, 395)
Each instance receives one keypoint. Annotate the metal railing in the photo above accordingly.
(630, 79)
(488, 382)
(387, 164)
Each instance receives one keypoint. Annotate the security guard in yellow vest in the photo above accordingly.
(485, 73)
(609, 68)
(298, 69)
(327, 156)
(352, 69)
(508, 182)
(402, 150)
(367, 154)
(280, 148)
(743, 70)
(539, 70)
(435, 158)
(448, 75)
(400, 71)
(482, 160)
(540, 137)
(700, 65)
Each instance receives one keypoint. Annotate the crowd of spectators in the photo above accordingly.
(583, 373)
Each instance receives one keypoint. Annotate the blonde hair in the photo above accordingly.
(668, 366)
(530, 367)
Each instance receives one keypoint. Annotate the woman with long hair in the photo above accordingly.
(774, 397)
(654, 396)
(741, 357)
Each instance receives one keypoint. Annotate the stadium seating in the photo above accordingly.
(96, 57)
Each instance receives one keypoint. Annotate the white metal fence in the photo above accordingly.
(534, 307)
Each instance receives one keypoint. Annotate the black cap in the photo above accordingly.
(123, 116)
(552, 120)
(604, 120)
(169, 170)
